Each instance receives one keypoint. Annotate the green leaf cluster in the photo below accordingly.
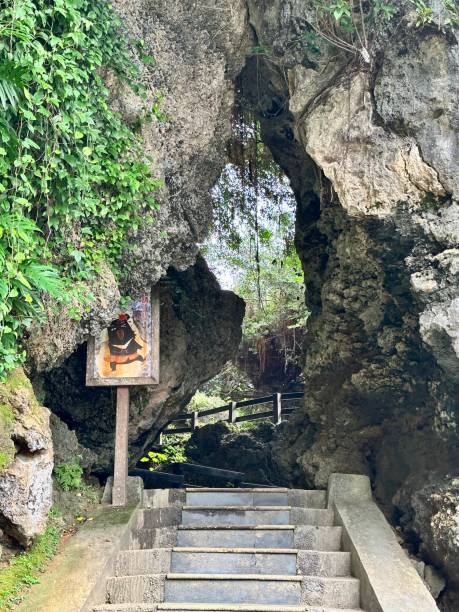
(73, 179)
(69, 476)
(170, 453)
(449, 13)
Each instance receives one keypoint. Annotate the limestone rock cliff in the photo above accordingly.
(370, 151)
(26, 460)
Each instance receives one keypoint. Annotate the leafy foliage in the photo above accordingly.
(425, 13)
(231, 383)
(201, 401)
(69, 476)
(73, 178)
(170, 453)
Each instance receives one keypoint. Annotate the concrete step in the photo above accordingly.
(255, 515)
(323, 563)
(239, 497)
(136, 562)
(232, 561)
(160, 537)
(307, 537)
(260, 561)
(248, 537)
(336, 592)
(224, 561)
(148, 588)
(233, 589)
(153, 518)
(255, 497)
(310, 537)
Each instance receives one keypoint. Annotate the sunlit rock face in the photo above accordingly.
(372, 157)
(199, 48)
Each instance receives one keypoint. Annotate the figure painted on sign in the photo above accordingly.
(122, 344)
(123, 350)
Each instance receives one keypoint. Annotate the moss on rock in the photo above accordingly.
(6, 428)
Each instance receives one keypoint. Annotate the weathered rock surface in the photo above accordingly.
(429, 506)
(371, 158)
(67, 449)
(200, 332)
(199, 47)
(27, 460)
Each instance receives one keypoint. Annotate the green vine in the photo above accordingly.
(73, 179)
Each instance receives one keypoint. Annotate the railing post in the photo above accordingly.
(194, 420)
(232, 413)
(277, 409)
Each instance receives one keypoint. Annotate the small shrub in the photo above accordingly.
(69, 476)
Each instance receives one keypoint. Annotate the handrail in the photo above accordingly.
(278, 411)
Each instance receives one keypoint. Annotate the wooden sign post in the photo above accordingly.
(119, 496)
(126, 354)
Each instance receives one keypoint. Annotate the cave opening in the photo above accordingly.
(252, 251)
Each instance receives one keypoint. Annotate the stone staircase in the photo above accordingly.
(254, 550)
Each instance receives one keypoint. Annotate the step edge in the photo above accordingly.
(254, 577)
(187, 507)
(239, 490)
(252, 550)
(230, 607)
(241, 508)
(235, 550)
(227, 527)
(220, 577)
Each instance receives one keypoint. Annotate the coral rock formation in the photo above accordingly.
(26, 452)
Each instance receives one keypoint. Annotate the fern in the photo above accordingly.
(44, 278)
(11, 82)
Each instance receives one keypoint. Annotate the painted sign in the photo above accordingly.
(127, 351)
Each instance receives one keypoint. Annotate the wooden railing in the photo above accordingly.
(277, 413)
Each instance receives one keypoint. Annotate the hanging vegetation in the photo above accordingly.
(73, 179)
